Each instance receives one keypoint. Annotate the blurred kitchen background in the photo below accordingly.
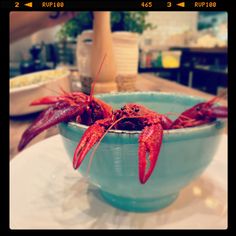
(189, 48)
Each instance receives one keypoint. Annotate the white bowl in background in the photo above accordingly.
(22, 96)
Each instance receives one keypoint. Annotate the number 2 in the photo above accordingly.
(17, 4)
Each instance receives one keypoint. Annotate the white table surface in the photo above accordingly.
(46, 193)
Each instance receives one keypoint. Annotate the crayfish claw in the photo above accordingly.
(150, 142)
(91, 136)
(53, 115)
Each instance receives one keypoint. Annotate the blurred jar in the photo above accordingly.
(147, 54)
(171, 59)
(83, 58)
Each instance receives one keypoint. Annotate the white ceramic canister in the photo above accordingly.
(127, 56)
(125, 46)
(126, 52)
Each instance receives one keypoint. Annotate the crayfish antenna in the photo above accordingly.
(96, 77)
(64, 92)
(52, 90)
(47, 100)
(215, 99)
(97, 145)
(150, 142)
(90, 137)
(223, 95)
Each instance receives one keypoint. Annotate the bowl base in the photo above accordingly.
(139, 205)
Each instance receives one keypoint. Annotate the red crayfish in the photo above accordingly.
(201, 113)
(76, 105)
(129, 117)
(100, 118)
(152, 124)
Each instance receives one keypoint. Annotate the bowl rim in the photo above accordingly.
(219, 123)
(172, 131)
(37, 85)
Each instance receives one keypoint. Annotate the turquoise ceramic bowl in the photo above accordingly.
(184, 155)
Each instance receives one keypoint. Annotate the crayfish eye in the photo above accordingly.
(197, 108)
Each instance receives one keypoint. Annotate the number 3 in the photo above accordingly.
(169, 4)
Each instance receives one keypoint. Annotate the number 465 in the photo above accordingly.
(146, 4)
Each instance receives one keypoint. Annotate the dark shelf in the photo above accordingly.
(157, 69)
(202, 50)
(211, 69)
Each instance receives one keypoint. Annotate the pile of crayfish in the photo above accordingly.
(100, 117)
